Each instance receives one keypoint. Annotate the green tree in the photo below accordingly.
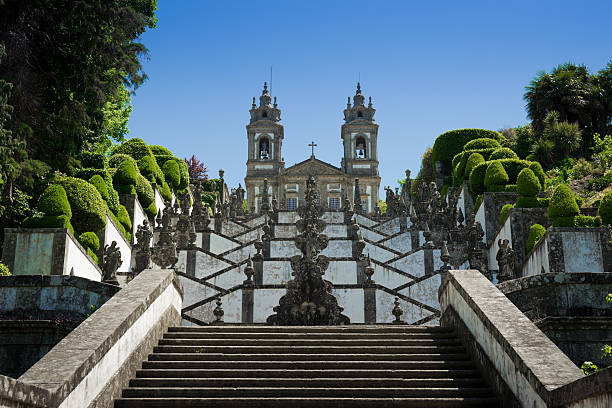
(565, 136)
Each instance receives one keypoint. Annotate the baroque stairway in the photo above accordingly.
(320, 366)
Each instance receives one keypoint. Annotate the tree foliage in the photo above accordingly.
(196, 169)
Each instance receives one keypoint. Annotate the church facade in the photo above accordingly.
(265, 163)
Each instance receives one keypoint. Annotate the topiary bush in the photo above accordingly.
(4, 270)
(89, 240)
(527, 184)
(165, 192)
(135, 148)
(126, 175)
(536, 232)
(151, 211)
(118, 158)
(145, 192)
(474, 160)
(504, 213)
(448, 144)
(124, 218)
(49, 221)
(160, 150)
(172, 174)
(562, 203)
(482, 143)
(54, 201)
(605, 208)
(184, 170)
(530, 202)
(539, 172)
(93, 160)
(88, 207)
(209, 198)
(577, 221)
(150, 169)
(495, 175)
(503, 153)
(100, 185)
(477, 178)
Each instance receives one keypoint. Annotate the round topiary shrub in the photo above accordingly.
(126, 174)
(184, 170)
(172, 174)
(527, 184)
(146, 196)
(536, 232)
(605, 209)
(539, 172)
(88, 207)
(160, 150)
(482, 143)
(504, 213)
(562, 203)
(474, 160)
(495, 175)
(148, 167)
(49, 221)
(118, 158)
(165, 191)
(136, 148)
(529, 202)
(151, 211)
(54, 201)
(100, 185)
(503, 153)
(89, 240)
(477, 178)
(124, 218)
(448, 144)
(4, 270)
(93, 160)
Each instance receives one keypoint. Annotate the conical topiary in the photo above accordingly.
(496, 175)
(527, 184)
(563, 203)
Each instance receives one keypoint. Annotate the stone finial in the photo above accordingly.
(218, 311)
(397, 311)
(445, 257)
(158, 219)
(368, 272)
(249, 271)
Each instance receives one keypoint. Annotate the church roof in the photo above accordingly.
(313, 166)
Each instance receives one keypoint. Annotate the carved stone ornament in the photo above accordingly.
(142, 256)
(309, 301)
(506, 259)
(111, 261)
(163, 254)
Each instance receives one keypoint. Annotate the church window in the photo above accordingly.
(291, 203)
(264, 149)
(334, 203)
(364, 207)
(359, 114)
(360, 148)
(264, 114)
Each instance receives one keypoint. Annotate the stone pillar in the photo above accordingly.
(429, 260)
(415, 238)
(190, 266)
(205, 240)
(247, 304)
(369, 305)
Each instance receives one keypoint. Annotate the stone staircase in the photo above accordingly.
(345, 366)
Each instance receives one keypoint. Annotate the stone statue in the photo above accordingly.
(506, 259)
(111, 261)
(142, 257)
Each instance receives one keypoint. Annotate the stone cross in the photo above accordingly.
(312, 145)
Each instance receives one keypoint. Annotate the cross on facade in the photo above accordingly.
(312, 145)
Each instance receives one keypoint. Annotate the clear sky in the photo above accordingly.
(429, 66)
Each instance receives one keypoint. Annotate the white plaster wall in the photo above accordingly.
(249, 236)
(231, 229)
(33, 254)
(263, 302)
(181, 264)
(461, 199)
(285, 231)
(207, 265)
(390, 227)
(335, 231)
(276, 272)
(361, 220)
(537, 260)
(378, 253)
(333, 217)
(385, 305)
(137, 218)
(283, 249)
(94, 382)
(75, 258)
(111, 233)
(413, 263)
(159, 200)
(436, 259)
(352, 302)
(480, 217)
(401, 243)
(388, 278)
(582, 251)
(240, 254)
(289, 217)
(425, 291)
(219, 244)
(504, 233)
(370, 235)
(195, 292)
(229, 279)
(341, 272)
(339, 249)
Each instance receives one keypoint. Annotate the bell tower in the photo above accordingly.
(265, 140)
(360, 139)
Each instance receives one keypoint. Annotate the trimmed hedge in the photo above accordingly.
(478, 175)
(448, 144)
(209, 198)
(527, 184)
(151, 211)
(136, 148)
(160, 150)
(536, 232)
(100, 185)
(531, 202)
(495, 175)
(118, 158)
(184, 170)
(577, 221)
(112, 199)
(126, 174)
(537, 169)
(49, 221)
(562, 203)
(93, 160)
(89, 240)
(213, 185)
(165, 192)
(88, 207)
(477, 178)
(126, 189)
(474, 160)
(172, 174)
(150, 169)
(145, 192)
(92, 255)
(504, 213)
(124, 218)
(482, 143)
(54, 201)
(503, 153)
(605, 208)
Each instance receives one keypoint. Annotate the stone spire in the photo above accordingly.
(266, 110)
(309, 301)
(359, 110)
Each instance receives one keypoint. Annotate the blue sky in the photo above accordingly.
(429, 67)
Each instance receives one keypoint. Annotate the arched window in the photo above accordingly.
(264, 149)
(264, 114)
(360, 148)
(360, 114)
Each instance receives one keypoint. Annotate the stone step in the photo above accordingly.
(283, 343)
(306, 402)
(312, 365)
(310, 349)
(424, 372)
(238, 328)
(305, 392)
(299, 336)
(188, 355)
(341, 382)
